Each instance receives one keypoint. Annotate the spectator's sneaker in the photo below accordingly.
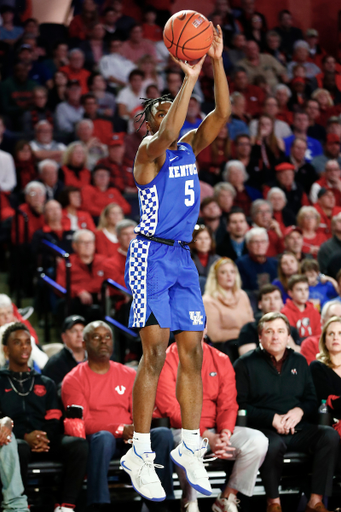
(141, 470)
(193, 465)
(229, 504)
(189, 506)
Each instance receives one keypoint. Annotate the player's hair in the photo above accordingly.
(146, 113)
(17, 326)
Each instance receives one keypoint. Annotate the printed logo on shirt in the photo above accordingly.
(303, 327)
(39, 390)
(196, 317)
(8, 390)
(100, 273)
(120, 389)
(294, 371)
(213, 374)
(83, 225)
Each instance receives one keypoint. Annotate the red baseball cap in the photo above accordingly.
(117, 139)
(298, 80)
(290, 229)
(332, 137)
(284, 166)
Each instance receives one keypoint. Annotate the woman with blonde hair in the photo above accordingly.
(308, 219)
(106, 238)
(266, 146)
(326, 104)
(227, 306)
(74, 165)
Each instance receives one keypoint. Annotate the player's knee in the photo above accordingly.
(154, 358)
(191, 357)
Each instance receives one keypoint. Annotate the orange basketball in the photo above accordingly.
(188, 35)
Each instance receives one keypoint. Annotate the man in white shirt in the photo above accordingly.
(129, 97)
(43, 145)
(8, 178)
(70, 112)
(114, 67)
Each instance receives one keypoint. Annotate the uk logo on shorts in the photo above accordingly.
(196, 317)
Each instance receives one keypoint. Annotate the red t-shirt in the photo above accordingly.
(307, 322)
(94, 200)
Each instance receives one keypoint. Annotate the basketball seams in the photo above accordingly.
(197, 35)
(182, 31)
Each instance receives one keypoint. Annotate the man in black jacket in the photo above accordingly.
(233, 245)
(71, 354)
(31, 401)
(275, 386)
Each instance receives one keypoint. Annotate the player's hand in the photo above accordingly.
(217, 46)
(190, 70)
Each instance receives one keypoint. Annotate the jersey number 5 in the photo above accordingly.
(189, 191)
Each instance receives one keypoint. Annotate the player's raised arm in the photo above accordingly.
(214, 122)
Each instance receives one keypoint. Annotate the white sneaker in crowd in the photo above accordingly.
(229, 504)
(189, 506)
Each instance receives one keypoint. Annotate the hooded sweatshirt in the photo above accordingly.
(307, 322)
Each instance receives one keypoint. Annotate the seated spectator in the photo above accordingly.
(173, 82)
(238, 122)
(236, 50)
(74, 70)
(130, 96)
(9, 313)
(269, 301)
(268, 148)
(325, 371)
(103, 129)
(38, 112)
(300, 312)
(106, 236)
(17, 96)
(71, 354)
(148, 65)
(257, 32)
(293, 242)
(331, 152)
(333, 268)
(305, 173)
(301, 56)
(213, 157)
(115, 68)
(9, 33)
(94, 47)
(89, 270)
(224, 193)
(38, 431)
(233, 244)
(74, 172)
(283, 94)
(331, 179)
(73, 217)
(69, 112)
(227, 306)
(217, 425)
(328, 66)
(211, 215)
(95, 149)
(300, 128)
(294, 192)
(308, 219)
(136, 47)
(58, 59)
(334, 126)
(104, 390)
(316, 53)
(242, 151)
(151, 30)
(254, 95)
(257, 63)
(325, 206)
(287, 32)
(8, 177)
(280, 211)
(125, 234)
(331, 246)
(310, 346)
(271, 108)
(235, 174)
(261, 215)
(57, 93)
(82, 23)
(193, 117)
(123, 22)
(203, 250)
(48, 175)
(121, 169)
(288, 265)
(255, 268)
(315, 130)
(35, 197)
(43, 145)
(276, 411)
(97, 196)
(133, 140)
(326, 104)
(273, 46)
(322, 288)
(105, 100)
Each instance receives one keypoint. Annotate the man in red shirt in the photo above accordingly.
(261, 215)
(121, 171)
(35, 196)
(331, 179)
(299, 311)
(75, 70)
(217, 424)
(104, 390)
(254, 95)
(326, 207)
(310, 346)
(103, 128)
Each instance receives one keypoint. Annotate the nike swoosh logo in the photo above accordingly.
(175, 158)
(8, 390)
(125, 467)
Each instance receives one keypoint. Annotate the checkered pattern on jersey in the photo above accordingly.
(149, 209)
(138, 263)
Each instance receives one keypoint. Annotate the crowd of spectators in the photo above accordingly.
(268, 239)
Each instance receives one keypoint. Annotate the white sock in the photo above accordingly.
(191, 438)
(142, 442)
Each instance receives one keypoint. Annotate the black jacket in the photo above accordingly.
(38, 410)
(264, 392)
(249, 334)
(225, 248)
(59, 365)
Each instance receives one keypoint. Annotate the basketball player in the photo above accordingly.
(161, 274)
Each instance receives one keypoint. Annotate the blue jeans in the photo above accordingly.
(103, 446)
(12, 487)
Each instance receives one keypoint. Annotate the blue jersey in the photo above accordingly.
(170, 204)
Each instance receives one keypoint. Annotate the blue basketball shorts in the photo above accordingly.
(163, 280)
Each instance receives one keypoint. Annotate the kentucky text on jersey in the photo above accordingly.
(182, 170)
